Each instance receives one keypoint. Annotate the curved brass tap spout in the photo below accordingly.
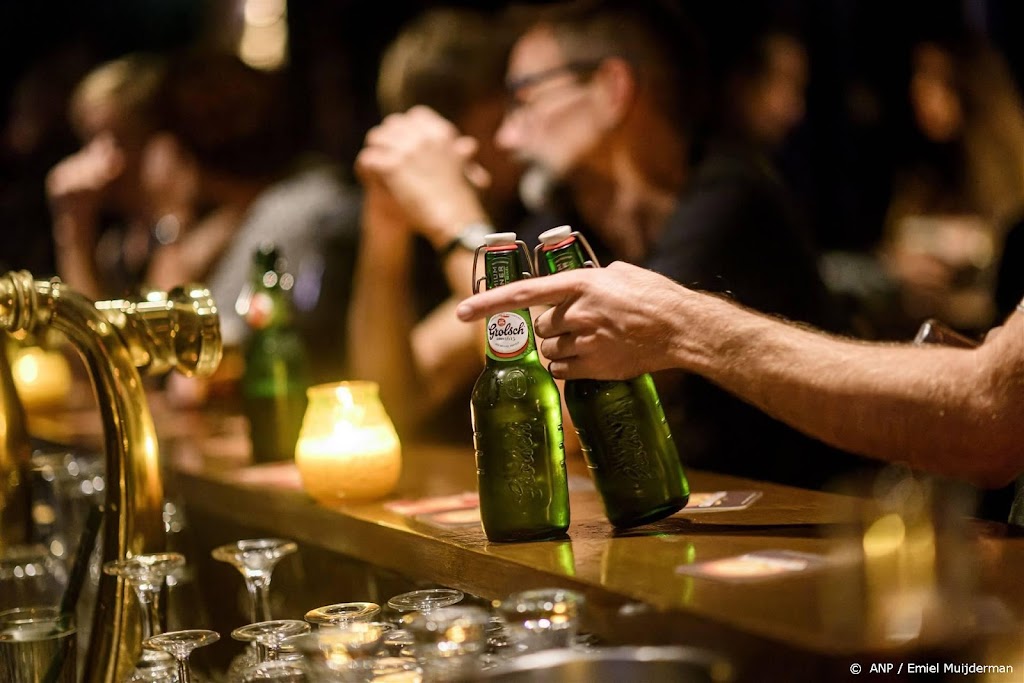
(178, 330)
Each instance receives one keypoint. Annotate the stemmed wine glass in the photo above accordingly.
(268, 636)
(256, 559)
(146, 574)
(180, 644)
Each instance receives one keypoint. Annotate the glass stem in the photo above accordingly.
(184, 674)
(149, 600)
(259, 595)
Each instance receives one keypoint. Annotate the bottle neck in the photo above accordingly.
(269, 309)
(509, 334)
(566, 255)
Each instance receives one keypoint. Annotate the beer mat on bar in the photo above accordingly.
(719, 501)
(434, 504)
(452, 519)
(279, 475)
(757, 566)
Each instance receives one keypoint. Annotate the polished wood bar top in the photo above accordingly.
(631, 579)
(632, 576)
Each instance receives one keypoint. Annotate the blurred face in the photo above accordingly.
(933, 94)
(774, 101)
(553, 119)
(481, 121)
(105, 118)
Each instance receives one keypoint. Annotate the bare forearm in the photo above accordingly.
(380, 324)
(76, 258)
(939, 409)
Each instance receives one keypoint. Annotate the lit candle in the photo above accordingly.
(347, 448)
(43, 378)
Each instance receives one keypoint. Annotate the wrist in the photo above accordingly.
(451, 219)
(467, 239)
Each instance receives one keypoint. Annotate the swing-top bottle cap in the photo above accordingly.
(500, 239)
(555, 235)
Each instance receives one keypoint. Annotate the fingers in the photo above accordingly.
(561, 347)
(477, 175)
(551, 290)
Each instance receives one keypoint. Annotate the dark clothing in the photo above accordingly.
(1009, 294)
(1010, 281)
(733, 233)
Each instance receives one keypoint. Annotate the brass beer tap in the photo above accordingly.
(178, 330)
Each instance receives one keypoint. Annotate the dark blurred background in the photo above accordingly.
(838, 161)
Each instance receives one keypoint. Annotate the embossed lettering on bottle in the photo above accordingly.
(626, 453)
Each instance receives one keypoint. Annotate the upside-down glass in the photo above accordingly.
(342, 612)
(146, 575)
(341, 651)
(256, 559)
(268, 636)
(450, 641)
(425, 600)
(541, 619)
(180, 644)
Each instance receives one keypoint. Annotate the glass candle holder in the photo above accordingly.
(348, 449)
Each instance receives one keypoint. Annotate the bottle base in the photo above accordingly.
(527, 535)
(649, 517)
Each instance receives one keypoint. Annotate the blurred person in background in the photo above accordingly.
(224, 134)
(759, 70)
(103, 222)
(963, 185)
(606, 99)
(434, 184)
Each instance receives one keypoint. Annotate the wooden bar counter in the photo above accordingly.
(801, 627)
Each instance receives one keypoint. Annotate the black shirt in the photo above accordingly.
(734, 232)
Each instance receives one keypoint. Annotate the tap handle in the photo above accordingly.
(197, 342)
(177, 330)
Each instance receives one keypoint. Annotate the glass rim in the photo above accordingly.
(352, 384)
(342, 612)
(433, 598)
(21, 617)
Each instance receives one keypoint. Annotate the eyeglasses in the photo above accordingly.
(582, 68)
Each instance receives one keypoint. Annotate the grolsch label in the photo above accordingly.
(507, 334)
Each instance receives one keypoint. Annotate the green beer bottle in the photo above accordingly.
(625, 438)
(276, 365)
(517, 417)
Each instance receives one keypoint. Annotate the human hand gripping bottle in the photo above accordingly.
(623, 432)
(517, 416)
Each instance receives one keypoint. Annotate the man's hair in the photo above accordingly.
(446, 59)
(653, 36)
(230, 116)
(130, 84)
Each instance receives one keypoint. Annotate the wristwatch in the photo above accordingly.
(469, 238)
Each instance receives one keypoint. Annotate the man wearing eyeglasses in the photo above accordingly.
(605, 99)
